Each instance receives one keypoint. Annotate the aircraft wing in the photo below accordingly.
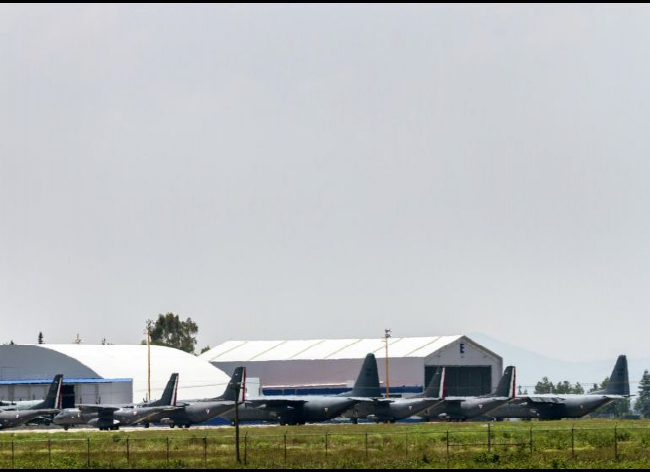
(375, 401)
(453, 401)
(533, 400)
(170, 408)
(270, 403)
(44, 411)
(98, 408)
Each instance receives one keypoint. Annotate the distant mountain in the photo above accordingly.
(531, 366)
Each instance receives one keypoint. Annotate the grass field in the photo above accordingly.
(548, 444)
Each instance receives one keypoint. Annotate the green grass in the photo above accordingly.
(555, 444)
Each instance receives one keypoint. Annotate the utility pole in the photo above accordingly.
(148, 333)
(386, 336)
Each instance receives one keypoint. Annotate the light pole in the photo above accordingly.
(386, 336)
(148, 333)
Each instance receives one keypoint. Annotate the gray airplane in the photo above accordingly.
(18, 414)
(375, 407)
(299, 409)
(54, 390)
(198, 411)
(111, 417)
(556, 406)
(465, 408)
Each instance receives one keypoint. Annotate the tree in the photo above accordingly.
(544, 386)
(563, 387)
(169, 330)
(577, 389)
(40, 337)
(616, 409)
(642, 404)
(205, 349)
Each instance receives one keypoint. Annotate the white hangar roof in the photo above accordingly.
(248, 351)
(197, 378)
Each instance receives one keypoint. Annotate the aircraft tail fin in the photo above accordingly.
(236, 382)
(367, 383)
(506, 386)
(169, 394)
(53, 399)
(619, 382)
(436, 387)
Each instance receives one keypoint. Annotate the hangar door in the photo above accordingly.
(464, 381)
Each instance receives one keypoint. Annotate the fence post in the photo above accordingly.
(573, 448)
(246, 448)
(326, 444)
(285, 447)
(49, 451)
(88, 454)
(13, 460)
(447, 448)
(406, 441)
(168, 449)
(489, 439)
(205, 451)
(366, 446)
(128, 453)
(615, 443)
(531, 438)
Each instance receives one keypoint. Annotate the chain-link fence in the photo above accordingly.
(453, 447)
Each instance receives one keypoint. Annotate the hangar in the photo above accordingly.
(103, 373)
(331, 365)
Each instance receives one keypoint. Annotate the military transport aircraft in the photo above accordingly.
(111, 417)
(375, 407)
(191, 412)
(464, 408)
(19, 413)
(55, 389)
(555, 406)
(299, 409)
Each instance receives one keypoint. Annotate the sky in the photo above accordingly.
(301, 172)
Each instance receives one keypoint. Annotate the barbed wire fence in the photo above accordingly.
(398, 449)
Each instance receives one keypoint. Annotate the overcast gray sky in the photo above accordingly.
(327, 171)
